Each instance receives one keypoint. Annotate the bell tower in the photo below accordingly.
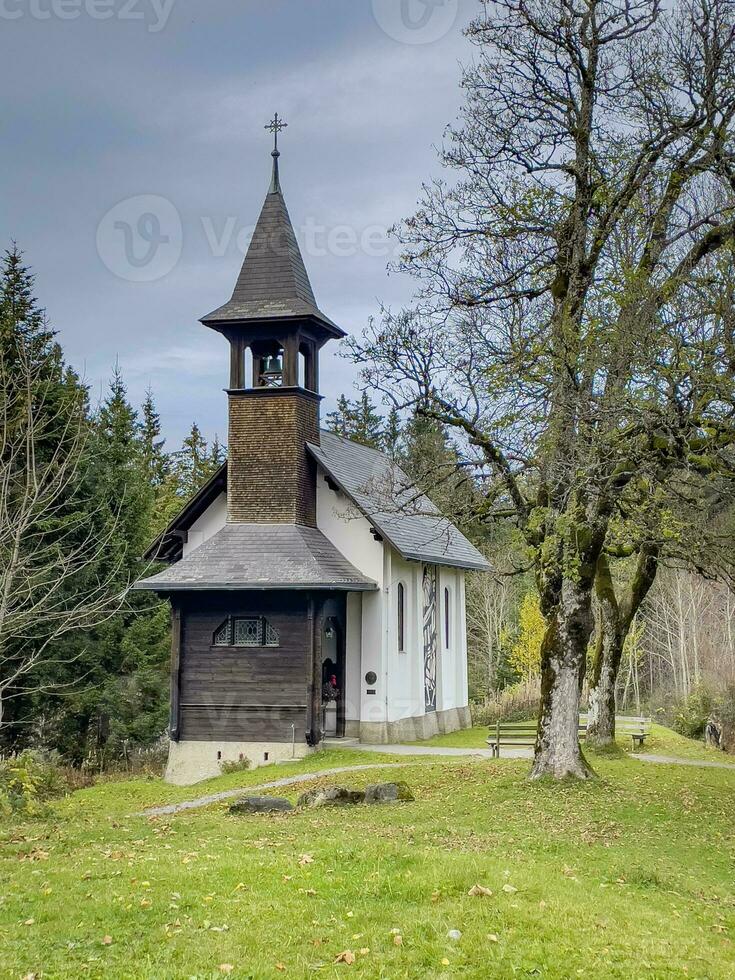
(276, 331)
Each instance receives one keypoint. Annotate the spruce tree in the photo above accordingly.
(393, 434)
(341, 420)
(193, 463)
(125, 659)
(359, 421)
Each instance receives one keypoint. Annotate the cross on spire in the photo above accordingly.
(276, 126)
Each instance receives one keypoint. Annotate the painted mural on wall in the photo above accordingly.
(430, 637)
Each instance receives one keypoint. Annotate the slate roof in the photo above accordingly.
(261, 556)
(405, 518)
(273, 282)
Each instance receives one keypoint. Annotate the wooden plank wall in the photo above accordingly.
(244, 693)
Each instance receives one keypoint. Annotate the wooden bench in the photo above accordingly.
(517, 734)
(522, 734)
(637, 727)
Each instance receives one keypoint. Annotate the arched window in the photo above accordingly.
(447, 620)
(401, 610)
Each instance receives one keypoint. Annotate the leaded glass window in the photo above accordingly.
(248, 633)
(272, 639)
(254, 631)
(222, 635)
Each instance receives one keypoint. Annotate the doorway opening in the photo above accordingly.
(333, 678)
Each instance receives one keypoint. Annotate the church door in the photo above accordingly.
(430, 637)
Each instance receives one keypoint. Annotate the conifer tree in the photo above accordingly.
(50, 576)
(124, 659)
(193, 463)
(393, 433)
(359, 421)
(340, 421)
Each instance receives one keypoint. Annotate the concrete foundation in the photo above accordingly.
(191, 762)
(409, 729)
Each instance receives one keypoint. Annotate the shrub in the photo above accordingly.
(690, 714)
(28, 781)
(516, 703)
(238, 765)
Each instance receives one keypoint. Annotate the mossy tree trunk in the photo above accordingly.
(563, 661)
(615, 620)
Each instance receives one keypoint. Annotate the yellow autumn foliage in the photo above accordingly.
(525, 656)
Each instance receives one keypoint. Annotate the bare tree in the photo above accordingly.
(491, 613)
(569, 374)
(49, 552)
(688, 634)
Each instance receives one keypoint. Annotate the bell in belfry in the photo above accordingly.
(273, 371)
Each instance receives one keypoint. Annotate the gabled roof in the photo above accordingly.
(261, 556)
(273, 283)
(407, 519)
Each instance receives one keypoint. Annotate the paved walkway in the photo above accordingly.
(440, 750)
(675, 761)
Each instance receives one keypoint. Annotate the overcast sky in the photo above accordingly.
(135, 164)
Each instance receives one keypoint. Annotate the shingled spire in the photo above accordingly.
(273, 283)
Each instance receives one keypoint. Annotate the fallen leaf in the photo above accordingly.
(509, 889)
(306, 859)
(479, 891)
(445, 962)
(29, 922)
(226, 968)
(281, 967)
(398, 940)
(107, 940)
(364, 951)
(493, 938)
(347, 957)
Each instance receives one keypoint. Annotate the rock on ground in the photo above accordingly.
(260, 804)
(388, 793)
(330, 796)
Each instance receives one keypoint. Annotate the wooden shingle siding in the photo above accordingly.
(271, 477)
(244, 693)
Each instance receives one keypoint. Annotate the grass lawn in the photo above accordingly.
(627, 876)
(662, 741)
